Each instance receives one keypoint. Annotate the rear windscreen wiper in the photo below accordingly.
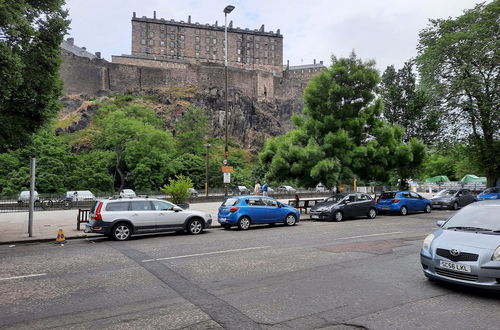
(469, 228)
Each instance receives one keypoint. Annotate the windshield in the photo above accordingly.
(492, 190)
(447, 192)
(230, 202)
(335, 198)
(388, 195)
(486, 217)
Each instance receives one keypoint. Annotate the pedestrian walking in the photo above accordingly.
(257, 188)
(265, 188)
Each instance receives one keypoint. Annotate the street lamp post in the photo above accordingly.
(207, 145)
(227, 10)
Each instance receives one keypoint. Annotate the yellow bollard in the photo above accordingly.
(60, 236)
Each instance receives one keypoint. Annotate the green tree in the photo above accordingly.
(178, 189)
(459, 59)
(193, 167)
(342, 133)
(31, 33)
(191, 131)
(409, 105)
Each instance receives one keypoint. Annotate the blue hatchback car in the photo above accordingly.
(402, 202)
(490, 193)
(243, 211)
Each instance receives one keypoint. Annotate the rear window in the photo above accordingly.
(388, 195)
(116, 206)
(230, 202)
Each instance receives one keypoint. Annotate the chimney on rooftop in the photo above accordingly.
(314, 61)
(189, 19)
(71, 41)
(262, 28)
(216, 23)
(154, 14)
(133, 14)
(321, 62)
(84, 48)
(98, 54)
(230, 25)
(278, 31)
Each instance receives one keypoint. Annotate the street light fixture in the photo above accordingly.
(227, 10)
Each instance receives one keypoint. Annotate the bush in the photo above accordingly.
(178, 189)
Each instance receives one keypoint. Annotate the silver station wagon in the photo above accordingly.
(466, 248)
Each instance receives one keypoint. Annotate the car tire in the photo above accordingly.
(290, 220)
(338, 216)
(372, 214)
(455, 206)
(403, 210)
(195, 226)
(428, 208)
(244, 223)
(226, 227)
(121, 232)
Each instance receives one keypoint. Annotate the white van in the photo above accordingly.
(79, 195)
(24, 197)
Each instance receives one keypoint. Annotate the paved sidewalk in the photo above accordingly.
(14, 226)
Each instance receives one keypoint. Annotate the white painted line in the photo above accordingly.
(207, 253)
(371, 235)
(23, 276)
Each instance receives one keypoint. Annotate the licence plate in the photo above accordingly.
(222, 219)
(454, 266)
(385, 208)
(314, 216)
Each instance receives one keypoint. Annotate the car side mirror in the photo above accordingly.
(177, 208)
(440, 223)
(347, 201)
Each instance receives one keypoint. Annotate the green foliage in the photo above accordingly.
(30, 36)
(192, 166)
(408, 105)
(342, 133)
(459, 61)
(178, 189)
(191, 131)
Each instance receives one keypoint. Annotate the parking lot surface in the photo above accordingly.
(316, 275)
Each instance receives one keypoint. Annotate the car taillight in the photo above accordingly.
(394, 201)
(234, 209)
(98, 212)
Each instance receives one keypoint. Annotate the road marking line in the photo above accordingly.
(207, 253)
(371, 235)
(23, 276)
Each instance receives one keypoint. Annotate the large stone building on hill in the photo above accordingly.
(197, 43)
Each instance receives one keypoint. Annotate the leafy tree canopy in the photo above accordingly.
(30, 36)
(459, 60)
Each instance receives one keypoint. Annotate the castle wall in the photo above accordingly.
(82, 75)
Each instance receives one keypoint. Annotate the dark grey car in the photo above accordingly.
(452, 199)
(341, 206)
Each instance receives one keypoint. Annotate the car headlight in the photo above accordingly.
(427, 242)
(496, 255)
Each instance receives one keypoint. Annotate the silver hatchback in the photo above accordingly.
(465, 249)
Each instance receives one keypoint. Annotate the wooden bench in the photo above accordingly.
(83, 217)
(303, 204)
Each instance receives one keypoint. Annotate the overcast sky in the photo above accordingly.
(384, 30)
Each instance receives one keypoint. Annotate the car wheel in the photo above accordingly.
(122, 232)
(372, 214)
(455, 206)
(403, 210)
(244, 223)
(195, 226)
(338, 216)
(226, 227)
(290, 220)
(427, 209)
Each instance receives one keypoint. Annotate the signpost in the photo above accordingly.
(227, 178)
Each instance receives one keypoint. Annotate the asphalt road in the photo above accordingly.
(354, 274)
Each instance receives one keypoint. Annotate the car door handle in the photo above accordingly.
(135, 214)
(161, 214)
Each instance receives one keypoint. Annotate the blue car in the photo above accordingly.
(243, 211)
(402, 202)
(490, 193)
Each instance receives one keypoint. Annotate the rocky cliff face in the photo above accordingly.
(251, 121)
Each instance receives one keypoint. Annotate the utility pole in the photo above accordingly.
(32, 196)
(227, 10)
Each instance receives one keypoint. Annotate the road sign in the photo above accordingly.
(227, 169)
(227, 178)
